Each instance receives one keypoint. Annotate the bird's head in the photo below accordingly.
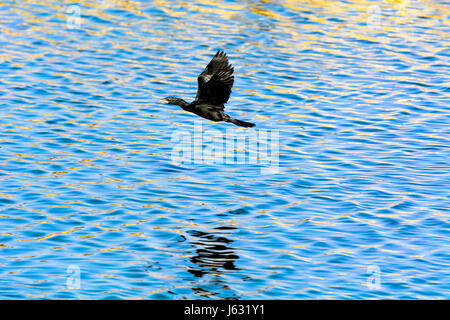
(173, 100)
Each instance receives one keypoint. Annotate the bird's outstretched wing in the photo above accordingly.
(216, 81)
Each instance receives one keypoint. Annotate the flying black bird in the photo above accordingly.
(214, 88)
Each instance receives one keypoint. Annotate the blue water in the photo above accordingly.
(92, 205)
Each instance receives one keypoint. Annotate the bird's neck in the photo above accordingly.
(186, 106)
(180, 102)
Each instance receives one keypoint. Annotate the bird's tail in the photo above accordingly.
(241, 123)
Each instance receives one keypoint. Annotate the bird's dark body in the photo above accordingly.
(209, 112)
(214, 89)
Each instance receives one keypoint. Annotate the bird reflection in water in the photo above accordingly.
(213, 253)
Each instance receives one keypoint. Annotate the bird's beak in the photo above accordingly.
(163, 100)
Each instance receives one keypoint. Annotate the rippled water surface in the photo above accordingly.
(92, 205)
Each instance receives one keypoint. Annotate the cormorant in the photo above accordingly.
(214, 88)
